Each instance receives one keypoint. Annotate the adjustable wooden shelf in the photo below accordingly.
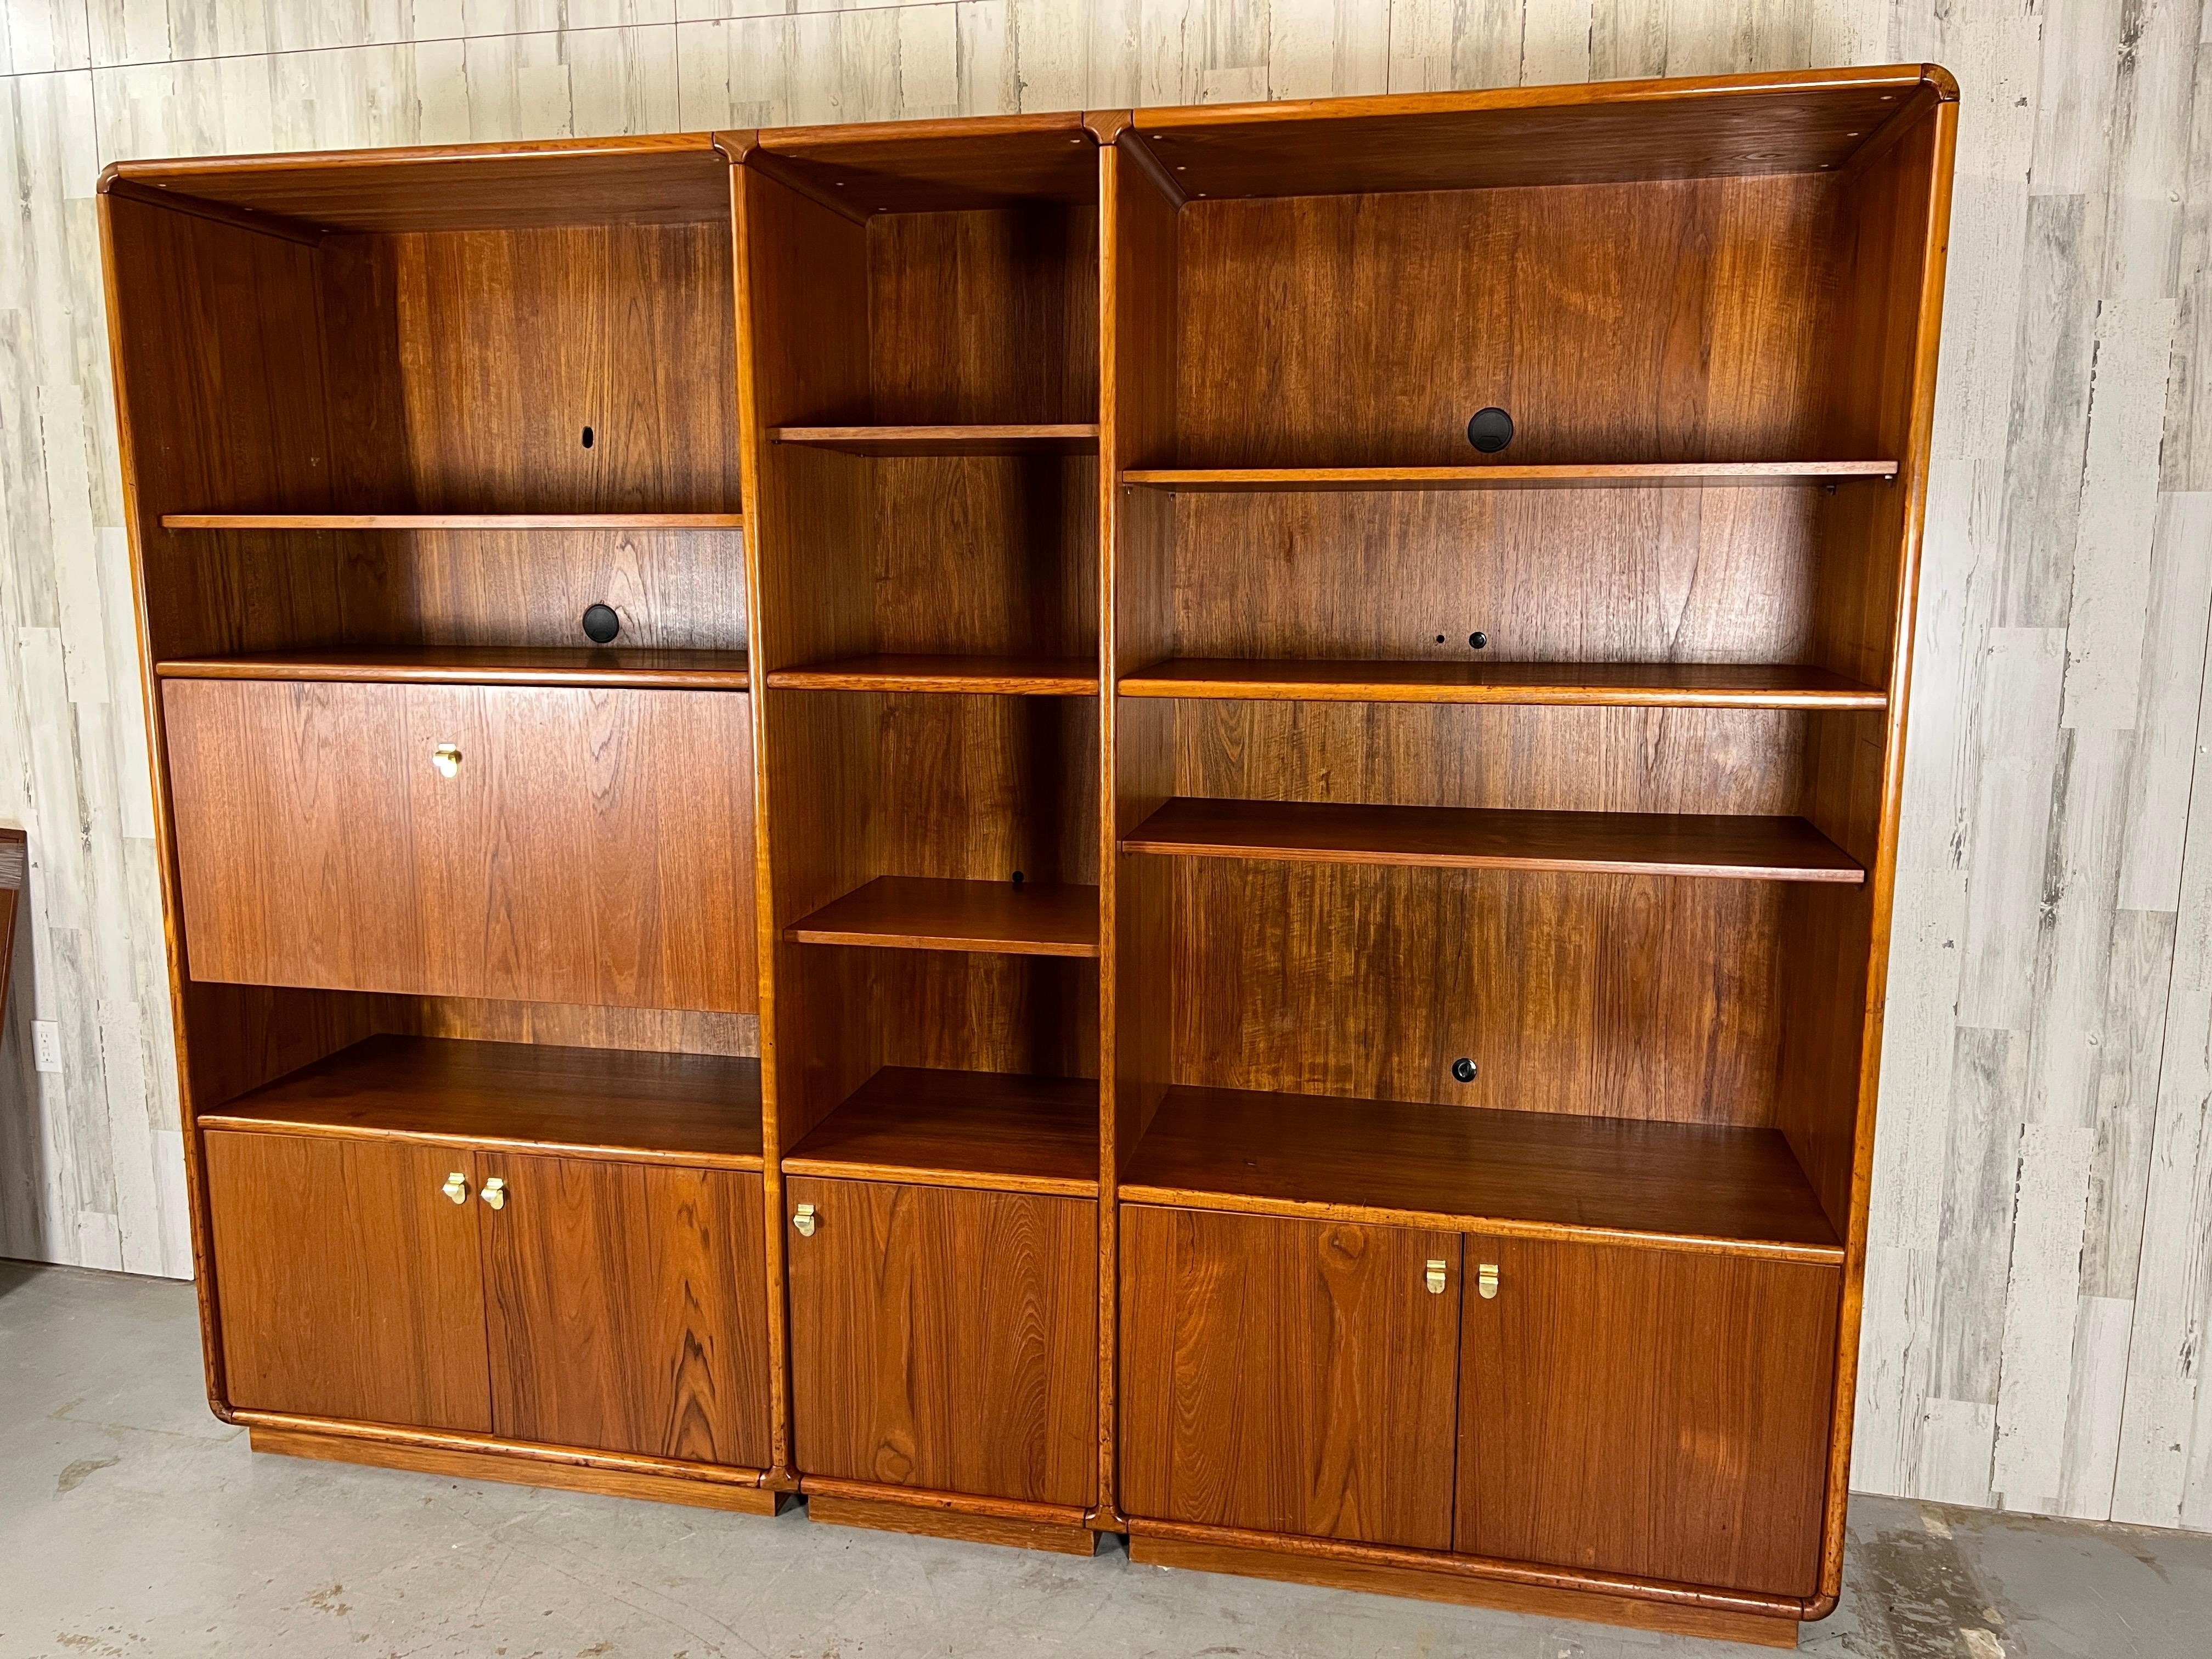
(1145, 925)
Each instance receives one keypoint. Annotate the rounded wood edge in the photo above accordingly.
(1381, 1578)
(492, 1447)
(174, 168)
(1572, 95)
(219, 1121)
(945, 1503)
(1654, 1590)
(900, 1175)
(1179, 1198)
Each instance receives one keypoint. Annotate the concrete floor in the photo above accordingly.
(134, 1524)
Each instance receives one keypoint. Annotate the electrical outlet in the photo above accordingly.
(47, 1044)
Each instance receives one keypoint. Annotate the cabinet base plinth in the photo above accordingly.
(885, 1515)
(1381, 1578)
(484, 1463)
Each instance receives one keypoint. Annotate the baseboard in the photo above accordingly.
(486, 1464)
(1379, 1578)
(934, 1520)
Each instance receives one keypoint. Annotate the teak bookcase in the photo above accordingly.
(1133, 934)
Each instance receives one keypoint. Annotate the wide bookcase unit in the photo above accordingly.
(1175, 822)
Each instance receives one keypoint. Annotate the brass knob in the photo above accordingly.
(456, 1187)
(1435, 1278)
(446, 758)
(494, 1193)
(804, 1220)
(1486, 1281)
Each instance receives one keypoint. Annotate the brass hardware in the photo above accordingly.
(805, 1221)
(494, 1193)
(1435, 1278)
(447, 759)
(1486, 1281)
(456, 1187)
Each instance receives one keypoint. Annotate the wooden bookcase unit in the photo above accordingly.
(1134, 935)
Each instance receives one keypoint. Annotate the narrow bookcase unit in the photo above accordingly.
(1227, 879)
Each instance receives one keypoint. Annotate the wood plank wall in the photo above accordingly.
(2039, 1290)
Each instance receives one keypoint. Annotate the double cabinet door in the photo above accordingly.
(604, 1305)
(944, 1338)
(1660, 1414)
(539, 843)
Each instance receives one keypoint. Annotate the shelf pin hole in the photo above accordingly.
(1017, 878)
(587, 437)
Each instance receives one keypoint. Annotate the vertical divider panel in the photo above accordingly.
(1138, 274)
(801, 280)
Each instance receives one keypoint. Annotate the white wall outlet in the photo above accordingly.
(47, 1044)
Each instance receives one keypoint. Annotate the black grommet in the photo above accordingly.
(1489, 430)
(1477, 639)
(601, 623)
(1463, 1070)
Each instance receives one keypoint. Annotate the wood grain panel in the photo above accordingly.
(350, 1285)
(1676, 685)
(1461, 1167)
(946, 1128)
(1290, 1377)
(518, 1096)
(569, 860)
(945, 1340)
(627, 1308)
(1675, 320)
(1621, 996)
(1647, 1413)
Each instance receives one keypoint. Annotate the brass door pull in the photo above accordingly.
(456, 1187)
(1486, 1281)
(494, 1193)
(804, 1220)
(447, 759)
(1435, 1278)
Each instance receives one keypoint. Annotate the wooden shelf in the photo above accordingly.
(1024, 677)
(672, 1109)
(1479, 1170)
(452, 521)
(445, 665)
(1462, 837)
(1063, 440)
(1664, 685)
(914, 913)
(987, 1129)
(1642, 474)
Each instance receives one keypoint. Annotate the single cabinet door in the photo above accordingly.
(628, 1306)
(1289, 1377)
(945, 1339)
(1663, 1414)
(346, 1277)
(547, 844)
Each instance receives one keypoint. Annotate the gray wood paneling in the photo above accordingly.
(2039, 1287)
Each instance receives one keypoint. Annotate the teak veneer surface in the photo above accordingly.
(1642, 474)
(945, 1339)
(1064, 439)
(452, 521)
(1610, 132)
(1471, 1167)
(961, 1129)
(1639, 684)
(1467, 837)
(626, 1307)
(660, 179)
(482, 664)
(1028, 677)
(519, 1095)
(937, 166)
(922, 913)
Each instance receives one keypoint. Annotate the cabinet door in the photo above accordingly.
(627, 1307)
(946, 1339)
(1292, 1377)
(1659, 1413)
(347, 1281)
(590, 847)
